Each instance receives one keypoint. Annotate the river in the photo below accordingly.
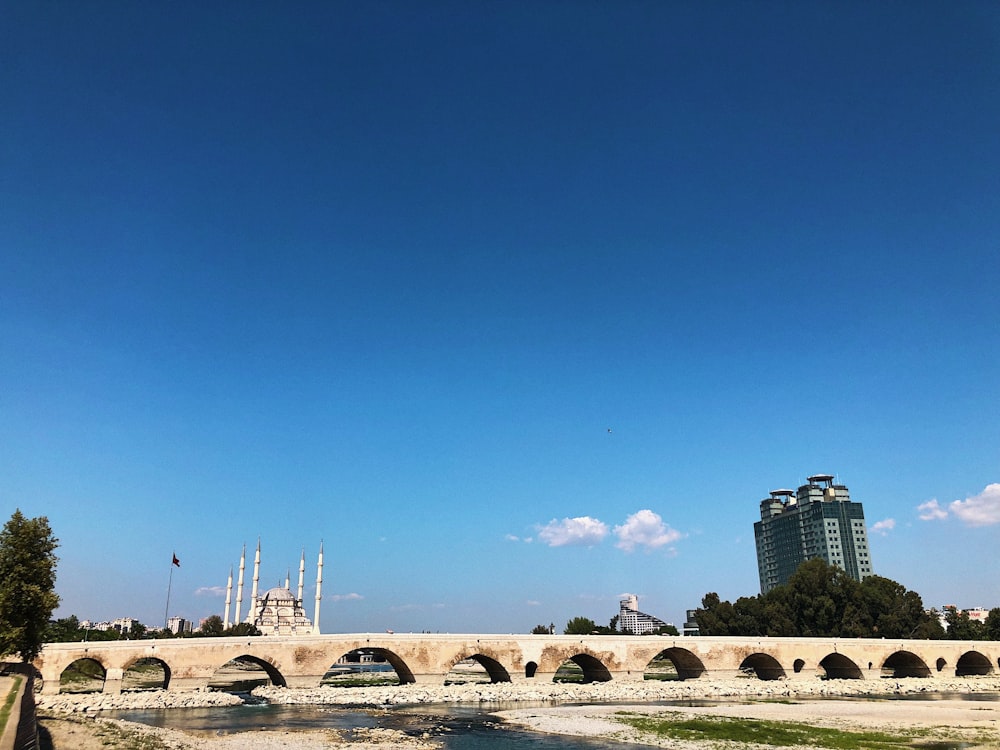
(457, 727)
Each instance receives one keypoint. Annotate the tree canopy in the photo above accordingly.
(27, 584)
(821, 600)
(580, 626)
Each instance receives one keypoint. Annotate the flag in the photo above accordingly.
(176, 561)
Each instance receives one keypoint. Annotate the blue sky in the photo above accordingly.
(516, 306)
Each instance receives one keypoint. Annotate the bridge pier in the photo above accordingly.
(628, 676)
(308, 681)
(187, 684)
(113, 682)
(428, 679)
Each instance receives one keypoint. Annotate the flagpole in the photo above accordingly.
(170, 582)
(166, 610)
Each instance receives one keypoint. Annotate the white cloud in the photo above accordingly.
(582, 530)
(210, 591)
(533, 603)
(516, 538)
(883, 527)
(645, 528)
(979, 510)
(352, 597)
(931, 511)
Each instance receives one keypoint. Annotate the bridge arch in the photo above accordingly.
(765, 666)
(245, 662)
(905, 664)
(494, 669)
(145, 673)
(839, 667)
(83, 675)
(685, 663)
(403, 672)
(529, 669)
(972, 663)
(593, 670)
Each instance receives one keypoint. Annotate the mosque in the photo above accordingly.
(277, 611)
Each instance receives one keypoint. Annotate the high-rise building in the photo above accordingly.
(819, 519)
(631, 620)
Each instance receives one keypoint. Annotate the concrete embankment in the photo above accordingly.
(505, 693)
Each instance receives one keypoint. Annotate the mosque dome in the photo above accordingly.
(278, 593)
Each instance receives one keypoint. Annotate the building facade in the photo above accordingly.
(631, 620)
(819, 519)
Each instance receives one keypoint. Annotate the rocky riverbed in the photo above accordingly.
(518, 692)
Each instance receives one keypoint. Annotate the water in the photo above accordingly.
(457, 727)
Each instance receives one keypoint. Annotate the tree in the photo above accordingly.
(961, 627)
(242, 628)
(992, 625)
(540, 630)
(580, 626)
(27, 584)
(64, 630)
(821, 600)
(666, 630)
(212, 626)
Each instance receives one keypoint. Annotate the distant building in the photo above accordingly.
(691, 623)
(817, 520)
(179, 626)
(123, 625)
(631, 620)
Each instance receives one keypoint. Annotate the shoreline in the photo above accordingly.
(568, 709)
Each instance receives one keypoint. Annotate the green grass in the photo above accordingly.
(8, 703)
(769, 733)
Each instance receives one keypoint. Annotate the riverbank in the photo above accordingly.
(74, 722)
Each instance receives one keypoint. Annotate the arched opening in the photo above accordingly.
(368, 667)
(940, 664)
(839, 667)
(243, 674)
(972, 663)
(764, 666)
(146, 674)
(476, 669)
(905, 664)
(797, 665)
(674, 664)
(582, 668)
(83, 676)
(529, 669)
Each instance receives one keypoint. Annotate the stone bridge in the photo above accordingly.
(302, 661)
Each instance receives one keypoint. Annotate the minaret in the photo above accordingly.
(256, 579)
(229, 597)
(319, 587)
(239, 587)
(288, 578)
(302, 573)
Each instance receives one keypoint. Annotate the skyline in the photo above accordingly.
(515, 307)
